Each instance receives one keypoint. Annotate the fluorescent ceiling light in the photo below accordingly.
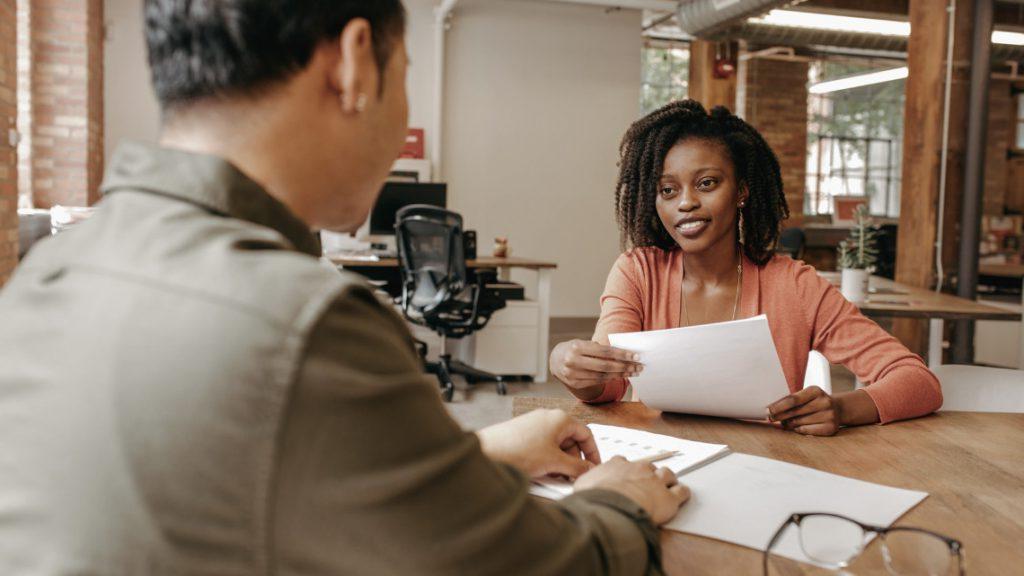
(1012, 38)
(812, 20)
(859, 80)
(816, 21)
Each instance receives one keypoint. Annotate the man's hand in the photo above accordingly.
(656, 490)
(542, 442)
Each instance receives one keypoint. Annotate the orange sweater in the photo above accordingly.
(804, 312)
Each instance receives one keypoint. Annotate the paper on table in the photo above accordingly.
(744, 499)
(727, 369)
(636, 444)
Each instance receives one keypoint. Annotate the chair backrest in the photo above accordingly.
(792, 242)
(885, 264)
(819, 373)
(981, 389)
(431, 257)
(32, 226)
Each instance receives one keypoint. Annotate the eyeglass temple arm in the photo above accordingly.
(794, 518)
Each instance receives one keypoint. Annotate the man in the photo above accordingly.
(184, 389)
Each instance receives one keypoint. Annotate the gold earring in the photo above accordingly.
(743, 239)
(361, 103)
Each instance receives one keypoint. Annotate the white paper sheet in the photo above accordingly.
(634, 444)
(744, 499)
(727, 369)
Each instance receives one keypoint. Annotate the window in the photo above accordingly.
(855, 138)
(1020, 121)
(24, 98)
(666, 72)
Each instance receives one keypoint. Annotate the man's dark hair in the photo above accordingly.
(642, 160)
(204, 48)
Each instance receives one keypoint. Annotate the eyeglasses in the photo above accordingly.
(835, 541)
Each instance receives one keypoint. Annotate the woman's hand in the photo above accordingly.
(814, 412)
(585, 366)
(542, 442)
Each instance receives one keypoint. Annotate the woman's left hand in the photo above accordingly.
(814, 412)
(810, 411)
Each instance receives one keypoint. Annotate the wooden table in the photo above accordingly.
(1015, 271)
(504, 267)
(971, 465)
(896, 300)
(482, 262)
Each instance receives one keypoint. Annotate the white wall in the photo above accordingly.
(130, 106)
(537, 97)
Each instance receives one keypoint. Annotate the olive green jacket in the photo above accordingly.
(186, 389)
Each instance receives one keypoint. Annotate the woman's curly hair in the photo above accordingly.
(641, 163)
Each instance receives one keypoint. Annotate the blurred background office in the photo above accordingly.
(913, 108)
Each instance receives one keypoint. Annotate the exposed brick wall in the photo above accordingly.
(67, 101)
(776, 104)
(8, 156)
(1002, 122)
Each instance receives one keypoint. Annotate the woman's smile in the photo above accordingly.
(692, 227)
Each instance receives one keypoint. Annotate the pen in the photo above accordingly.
(658, 457)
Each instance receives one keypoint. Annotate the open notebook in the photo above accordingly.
(741, 498)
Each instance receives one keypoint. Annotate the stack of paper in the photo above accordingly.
(744, 499)
(727, 369)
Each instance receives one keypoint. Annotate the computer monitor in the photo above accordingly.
(397, 195)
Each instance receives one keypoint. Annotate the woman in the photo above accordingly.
(700, 202)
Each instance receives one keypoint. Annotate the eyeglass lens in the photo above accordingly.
(911, 553)
(830, 540)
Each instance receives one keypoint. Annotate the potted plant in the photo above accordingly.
(858, 255)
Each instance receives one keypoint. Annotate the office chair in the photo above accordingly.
(981, 389)
(33, 226)
(792, 242)
(436, 292)
(886, 263)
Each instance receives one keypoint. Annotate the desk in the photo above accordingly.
(971, 465)
(896, 300)
(504, 266)
(1014, 271)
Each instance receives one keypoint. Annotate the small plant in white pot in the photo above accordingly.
(858, 255)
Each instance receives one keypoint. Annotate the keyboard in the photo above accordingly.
(365, 255)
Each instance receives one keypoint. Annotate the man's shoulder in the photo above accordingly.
(142, 243)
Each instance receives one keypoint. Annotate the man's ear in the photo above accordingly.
(357, 75)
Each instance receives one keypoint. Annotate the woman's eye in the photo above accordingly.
(707, 183)
(667, 191)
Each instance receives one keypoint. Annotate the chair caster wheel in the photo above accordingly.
(447, 394)
(502, 388)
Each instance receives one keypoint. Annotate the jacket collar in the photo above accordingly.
(206, 181)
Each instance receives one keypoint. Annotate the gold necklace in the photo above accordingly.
(736, 302)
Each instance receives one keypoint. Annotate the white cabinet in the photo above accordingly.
(999, 343)
(508, 345)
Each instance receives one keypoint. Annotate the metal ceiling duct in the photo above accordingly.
(728, 20)
(703, 17)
